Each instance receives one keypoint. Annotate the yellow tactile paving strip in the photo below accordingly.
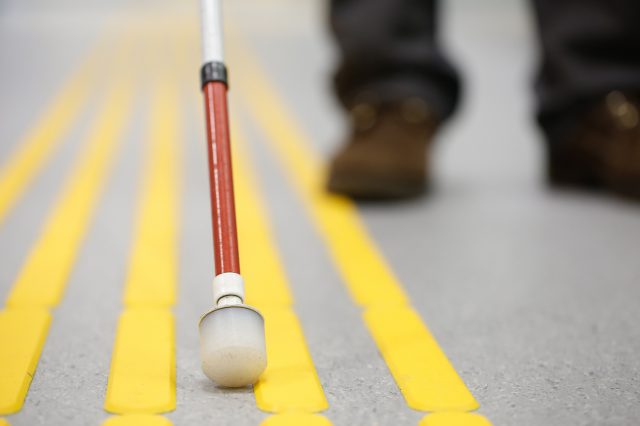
(41, 281)
(296, 419)
(454, 419)
(290, 382)
(48, 134)
(22, 333)
(420, 368)
(154, 259)
(142, 378)
(43, 278)
(137, 420)
(265, 280)
(424, 374)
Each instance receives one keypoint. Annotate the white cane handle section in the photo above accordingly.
(212, 44)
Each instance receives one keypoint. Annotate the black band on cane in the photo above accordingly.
(213, 71)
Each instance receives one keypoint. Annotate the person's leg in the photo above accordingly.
(588, 90)
(389, 51)
(397, 86)
(589, 48)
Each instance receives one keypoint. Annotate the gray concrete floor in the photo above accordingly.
(532, 293)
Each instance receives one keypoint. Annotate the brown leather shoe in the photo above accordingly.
(386, 156)
(604, 152)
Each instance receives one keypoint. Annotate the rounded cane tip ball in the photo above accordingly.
(234, 367)
(232, 346)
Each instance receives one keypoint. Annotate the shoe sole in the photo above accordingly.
(570, 169)
(373, 188)
(579, 172)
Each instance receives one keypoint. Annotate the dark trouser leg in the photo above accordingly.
(389, 52)
(589, 48)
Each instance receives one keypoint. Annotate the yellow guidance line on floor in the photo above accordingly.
(142, 379)
(43, 277)
(33, 152)
(137, 420)
(142, 376)
(22, 336)
(290, 382)
(454, 419)
(265, 279)
(364, 270)
(422, 371)
(296, 419)
(154, 260)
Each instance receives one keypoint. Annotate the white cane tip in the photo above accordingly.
(232, 345)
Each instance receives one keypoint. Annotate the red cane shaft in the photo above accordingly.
(223, 214)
